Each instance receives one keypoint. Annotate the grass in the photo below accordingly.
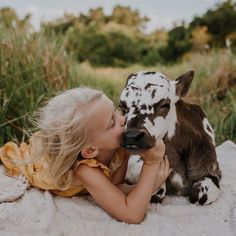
(33, 68)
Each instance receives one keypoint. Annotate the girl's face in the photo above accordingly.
(107, 124)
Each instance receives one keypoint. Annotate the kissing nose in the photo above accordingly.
(133, 138)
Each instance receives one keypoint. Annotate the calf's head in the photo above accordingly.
(148, 102)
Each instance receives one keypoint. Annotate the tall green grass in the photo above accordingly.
(25, 79)
(34, 67)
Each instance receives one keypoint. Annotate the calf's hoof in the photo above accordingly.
(205, 191)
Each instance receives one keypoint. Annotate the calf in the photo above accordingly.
(154, 109)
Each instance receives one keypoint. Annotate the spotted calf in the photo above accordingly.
(154, 109)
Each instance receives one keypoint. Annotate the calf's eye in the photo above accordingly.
(165, 106)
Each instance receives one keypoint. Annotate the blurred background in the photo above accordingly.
(50, 46)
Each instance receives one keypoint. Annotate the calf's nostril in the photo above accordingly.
(140, 136)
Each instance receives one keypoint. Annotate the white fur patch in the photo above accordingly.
(134, 168)
(214, 167)
(210, 132)
(172, 120)
(177, 182)
(162, 125)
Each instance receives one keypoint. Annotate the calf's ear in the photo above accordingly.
(183, 83)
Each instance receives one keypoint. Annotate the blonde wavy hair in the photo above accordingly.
(64, 131)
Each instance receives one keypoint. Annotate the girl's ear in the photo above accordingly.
(89, 152)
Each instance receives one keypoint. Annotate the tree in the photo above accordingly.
(200, 38)
(127, 16)
(97, 16)
(178, 44)
(219, 21)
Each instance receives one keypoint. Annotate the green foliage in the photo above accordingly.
(178, 44)
(89, 40)
(220, 22)
(31, 70)
(110, 49)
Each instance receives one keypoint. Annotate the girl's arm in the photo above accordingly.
(133, 207)
(126, 188)
(119, 176)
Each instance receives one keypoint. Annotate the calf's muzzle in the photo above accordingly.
(137, 139)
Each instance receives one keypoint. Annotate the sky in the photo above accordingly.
(162, 13)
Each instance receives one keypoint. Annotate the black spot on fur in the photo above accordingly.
(203, 199)
(194, 192)
(127, 94)
(153, 93)
(143, 107)
(147, 86)
(160, 191)
(156, 199)
(149, 73)
(131, 76)
(215, 180)
(123, 107)
(134, 88)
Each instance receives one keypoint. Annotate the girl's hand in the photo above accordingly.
(154, 155)
(163, 171)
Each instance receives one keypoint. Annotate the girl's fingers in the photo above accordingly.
(167, 161)
(159, 145)
(164, 163)
(167, 167)
(161, 164)
(159, 141)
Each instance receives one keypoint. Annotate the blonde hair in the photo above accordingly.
(64, 131)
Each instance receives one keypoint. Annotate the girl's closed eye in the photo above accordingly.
(114, 119)
(113, 122)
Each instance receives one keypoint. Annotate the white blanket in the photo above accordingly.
(40, 213)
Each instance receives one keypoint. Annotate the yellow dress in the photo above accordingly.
(36, 172)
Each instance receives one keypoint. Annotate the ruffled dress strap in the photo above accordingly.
(94, 163)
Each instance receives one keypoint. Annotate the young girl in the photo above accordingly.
(77, 150)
